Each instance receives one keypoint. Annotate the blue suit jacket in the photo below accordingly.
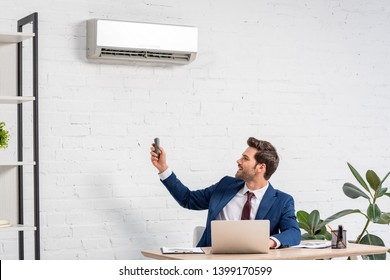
(276, 206)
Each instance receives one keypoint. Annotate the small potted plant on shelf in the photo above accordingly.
(4, 136)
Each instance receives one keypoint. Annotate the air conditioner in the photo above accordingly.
(136, 41)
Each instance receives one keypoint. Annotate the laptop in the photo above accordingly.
(240, 237)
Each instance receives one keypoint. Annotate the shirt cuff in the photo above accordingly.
(277, 242)
(165, 174)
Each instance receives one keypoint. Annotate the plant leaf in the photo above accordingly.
(388, 173)
(352, 191)
(304, 226)
(384, 219)
(374, 213)
(371, 239)
(358, 177)
(339, 215)
(328, 235)
(321, 230)
(302, 216)
(373, 179)
(380, 192)
(317, 229)
(313, 220)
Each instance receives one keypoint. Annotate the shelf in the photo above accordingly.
(17, 228)
(14, 168)
(15, 99)
(14, 37)
(16, 163)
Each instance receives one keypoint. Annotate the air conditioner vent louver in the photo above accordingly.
(135, 41)
(119, 54)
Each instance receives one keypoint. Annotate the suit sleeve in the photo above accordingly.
(290, 233)
(194, 200)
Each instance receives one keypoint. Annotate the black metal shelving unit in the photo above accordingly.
(30, 19)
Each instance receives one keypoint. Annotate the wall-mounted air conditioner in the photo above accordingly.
(136, 41)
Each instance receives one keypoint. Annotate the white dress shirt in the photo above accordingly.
(233, 210)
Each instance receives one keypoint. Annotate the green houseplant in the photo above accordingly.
(4, 136)
(313, 225)
(372, 191)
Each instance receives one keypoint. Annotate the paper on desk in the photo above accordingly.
(314, 244)
(181, 250)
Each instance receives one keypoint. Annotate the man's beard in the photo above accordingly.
(244, 175)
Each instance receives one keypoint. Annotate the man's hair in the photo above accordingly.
(266, 153)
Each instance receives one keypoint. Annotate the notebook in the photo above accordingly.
(240, 237)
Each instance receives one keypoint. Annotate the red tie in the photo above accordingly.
(246, 211)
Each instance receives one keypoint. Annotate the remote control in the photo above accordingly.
(156, 145)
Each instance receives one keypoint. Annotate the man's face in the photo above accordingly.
(247, 167)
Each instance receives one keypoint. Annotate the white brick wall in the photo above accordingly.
(309, 76)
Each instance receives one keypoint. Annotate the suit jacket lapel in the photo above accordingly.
(266, 203)
(229, 193)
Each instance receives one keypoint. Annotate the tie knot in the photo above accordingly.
(249, 195)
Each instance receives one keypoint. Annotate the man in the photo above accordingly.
(226, 199)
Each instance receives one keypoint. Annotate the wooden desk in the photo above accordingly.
(352, 250)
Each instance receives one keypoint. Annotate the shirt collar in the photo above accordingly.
(257, 193)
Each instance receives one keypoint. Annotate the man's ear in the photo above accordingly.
(261, 168)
